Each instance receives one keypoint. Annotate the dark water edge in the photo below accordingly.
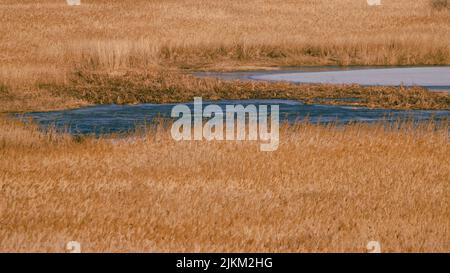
(116, 119)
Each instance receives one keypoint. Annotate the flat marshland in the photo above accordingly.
(324, 189)
(327, 187)
(45, 46)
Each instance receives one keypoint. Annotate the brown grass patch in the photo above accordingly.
(193, 33)
(190, 34)
(162, 86)
(169, 86)
(324, 189)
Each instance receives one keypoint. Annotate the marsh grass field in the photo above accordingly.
(45, 46)
(327, 188)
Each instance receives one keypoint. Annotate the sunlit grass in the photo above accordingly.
(140, 36)
(324, 189)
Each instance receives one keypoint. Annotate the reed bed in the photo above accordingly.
(325, 189)
(169, 86)
(46, 42)
(192, 33)
(164, 86)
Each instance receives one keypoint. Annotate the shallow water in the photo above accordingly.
(105, 119)
(433, 78)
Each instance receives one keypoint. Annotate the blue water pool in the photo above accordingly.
(105, 119)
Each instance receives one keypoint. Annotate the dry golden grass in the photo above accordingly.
(324, 189)
(44, 42)
(123, 34)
